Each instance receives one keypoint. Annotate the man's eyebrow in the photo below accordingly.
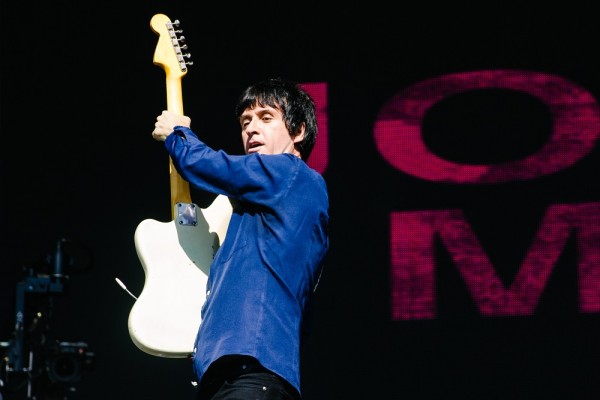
(259, 111)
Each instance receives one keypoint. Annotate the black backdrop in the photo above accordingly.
(79, 99)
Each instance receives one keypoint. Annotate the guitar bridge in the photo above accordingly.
(186, 214)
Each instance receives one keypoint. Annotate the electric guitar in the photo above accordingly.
(175, 255)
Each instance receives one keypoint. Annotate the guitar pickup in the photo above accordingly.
(186, 214)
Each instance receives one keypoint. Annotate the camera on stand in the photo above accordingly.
(67, 361)
(34, 366)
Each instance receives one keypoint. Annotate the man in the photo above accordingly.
(263, 277)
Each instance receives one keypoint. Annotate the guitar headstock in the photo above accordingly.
(171, 44)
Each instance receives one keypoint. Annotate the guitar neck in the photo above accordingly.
(168, 55)
(180, 189)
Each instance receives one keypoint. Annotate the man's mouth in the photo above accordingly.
(253, 146)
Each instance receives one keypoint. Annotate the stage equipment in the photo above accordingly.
(34, 364)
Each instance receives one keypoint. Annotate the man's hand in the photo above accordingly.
(166, 122)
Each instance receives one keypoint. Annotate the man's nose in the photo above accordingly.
(252, 126)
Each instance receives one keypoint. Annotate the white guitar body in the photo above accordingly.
(176, 258)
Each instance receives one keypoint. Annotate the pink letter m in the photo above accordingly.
(413, 261)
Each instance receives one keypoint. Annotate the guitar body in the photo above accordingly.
(176, 255)
(176, 258)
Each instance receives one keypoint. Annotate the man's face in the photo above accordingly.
(264, 132)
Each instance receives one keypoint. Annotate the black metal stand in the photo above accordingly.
(33, 367)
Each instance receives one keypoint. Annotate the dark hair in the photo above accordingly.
(295, 104)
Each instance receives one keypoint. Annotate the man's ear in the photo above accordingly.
(300, 135)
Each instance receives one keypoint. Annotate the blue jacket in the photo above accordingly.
(263, 275)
